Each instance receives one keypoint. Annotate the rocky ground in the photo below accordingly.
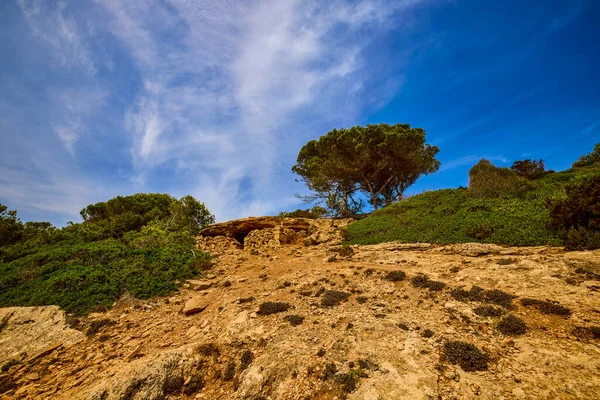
(315, 322)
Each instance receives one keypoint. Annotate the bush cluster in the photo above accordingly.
(489, 181)
(577, 215)
(141, 244)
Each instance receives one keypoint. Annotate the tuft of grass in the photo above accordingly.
(512, 326)
(546, 307)
(466, 355)
(333, 298)
(272, 307)
(395, 276)
(488, 311)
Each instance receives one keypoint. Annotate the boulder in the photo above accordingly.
(194, 306)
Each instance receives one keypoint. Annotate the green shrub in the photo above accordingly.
(512, 325)
(395, 276)
(345, 251)
(313, 213)
(479, 231)
(469, 357)
(333, 298)
(272, 307)
(546, 307)
(589, 159)
(530, 169)
(489, 181)
(577, 215)
(488, 311)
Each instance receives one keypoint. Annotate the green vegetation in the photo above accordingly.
(546, 307)
(589, 159)
(141, 244)
(313, 213)
(272, 307)
(377, 161)
(469, 357)
(502, 207)
(512, 326)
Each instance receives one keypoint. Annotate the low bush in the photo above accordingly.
(577, 216)
(395, 276)
(589, 159)
(546, 307)
(333, 298)
(294, 319)
(466, 355)
(488, 311)
(272, 307)
(489, 181)
(345, 251)
(512, 325)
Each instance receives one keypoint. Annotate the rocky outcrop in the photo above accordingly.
(46, 324)
(269, 232)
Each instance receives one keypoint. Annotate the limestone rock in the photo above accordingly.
(194, 306)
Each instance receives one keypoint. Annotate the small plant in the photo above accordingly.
(349, 380)
(329, 371)
(498, 297)
(229, 371)
(346, 251)
(294, 319)
(243, 300)
(402, 326)
(246, 359)
(466, 355)
(583, 332)
(332, 259)
(419, 280)
(395, 276)
(511, 325)
(488, 311)
(208, 349)
(333, 298)
(362, 299)
(546, 307)
(272, 307)
(427, 333)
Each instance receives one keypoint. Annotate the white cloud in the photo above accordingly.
(49, 22)
(222, 93)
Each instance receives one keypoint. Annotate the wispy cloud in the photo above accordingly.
(589, 129)
(210, 98)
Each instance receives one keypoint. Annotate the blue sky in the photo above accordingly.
(215, 98)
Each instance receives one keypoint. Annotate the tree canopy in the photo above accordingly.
(379, 161)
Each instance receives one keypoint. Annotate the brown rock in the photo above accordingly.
(194, 306)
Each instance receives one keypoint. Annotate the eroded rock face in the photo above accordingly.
(28, 331)
(269, 233)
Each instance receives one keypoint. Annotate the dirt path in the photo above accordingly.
(384, 340)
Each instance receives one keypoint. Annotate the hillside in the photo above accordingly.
(287, 318)
(456, 216)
